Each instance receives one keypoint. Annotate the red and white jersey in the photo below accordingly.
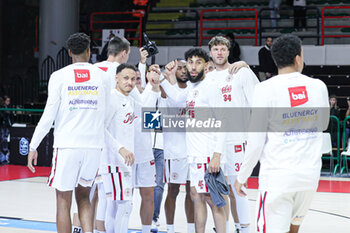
(201, 145)
(290, 161)
(236, 92)
(143, 140)
(120, 131)
(111, 69)
(174, 142)
(78, 96)
(202, 94)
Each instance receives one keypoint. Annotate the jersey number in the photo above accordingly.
(227, 97)
(238, 166)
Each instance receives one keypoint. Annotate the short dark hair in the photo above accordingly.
(284, 49)
(198, 52)
(123, 66)
(78, 43)
(117, 45)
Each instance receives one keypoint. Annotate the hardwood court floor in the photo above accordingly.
(28, 205)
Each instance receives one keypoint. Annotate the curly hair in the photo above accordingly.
(78, 43)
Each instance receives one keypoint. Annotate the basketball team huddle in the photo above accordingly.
(99, 141)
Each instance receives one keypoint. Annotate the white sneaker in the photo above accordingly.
(155, 224)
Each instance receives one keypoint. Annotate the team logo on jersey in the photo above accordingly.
(104, 68)
(298, 96)
(195, 93)
(199, 165)
(190, 104)
(127, 192)
(23, 146)
(152, 120)
(238, 148)
(174, 176)
(151, 162)
(226, 89)
(129, 118)
(82, 76)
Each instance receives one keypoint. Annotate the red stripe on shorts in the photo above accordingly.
(114, 191)
(264, 212)
(205, 170)
(165, 171)
(257, 220)
(121, 186)
(54, 169)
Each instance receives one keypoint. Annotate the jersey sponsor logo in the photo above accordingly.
(104, 68)
(238, 148)
(129, 118)
(298, 96)
(82, 102)
(226, 89)
(82, 76)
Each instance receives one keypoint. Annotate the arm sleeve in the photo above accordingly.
(142, 68)
(110, 141)
(256, 140)
(50, 111)
(219, 110)
(249, 80)
(325, 106)
(178, 97)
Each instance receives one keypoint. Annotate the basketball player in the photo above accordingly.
(117, 176)
(118, 50)
(203, 153)
(236, 93)
(175, 156)
(290, 161)
(78, 97)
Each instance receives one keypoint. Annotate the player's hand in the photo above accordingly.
(234, 67)
(170, 70)
(214, 164)
(239, 188)
(143, 54)
(128, 156)
(32, 157)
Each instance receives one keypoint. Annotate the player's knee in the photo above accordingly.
(82, 193)
(173, 190)
(232, 196)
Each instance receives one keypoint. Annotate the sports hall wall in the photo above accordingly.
(327, 55)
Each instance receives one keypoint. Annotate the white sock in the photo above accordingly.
(191, 228)
(121, 221)
(245, 229)
(237, 226)
(76, 229)
(227, 226)
(170, 228)
(146, 228)
(110, 215)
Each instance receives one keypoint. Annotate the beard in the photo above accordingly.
(216, 61)
(197, 78)
(179, 80)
